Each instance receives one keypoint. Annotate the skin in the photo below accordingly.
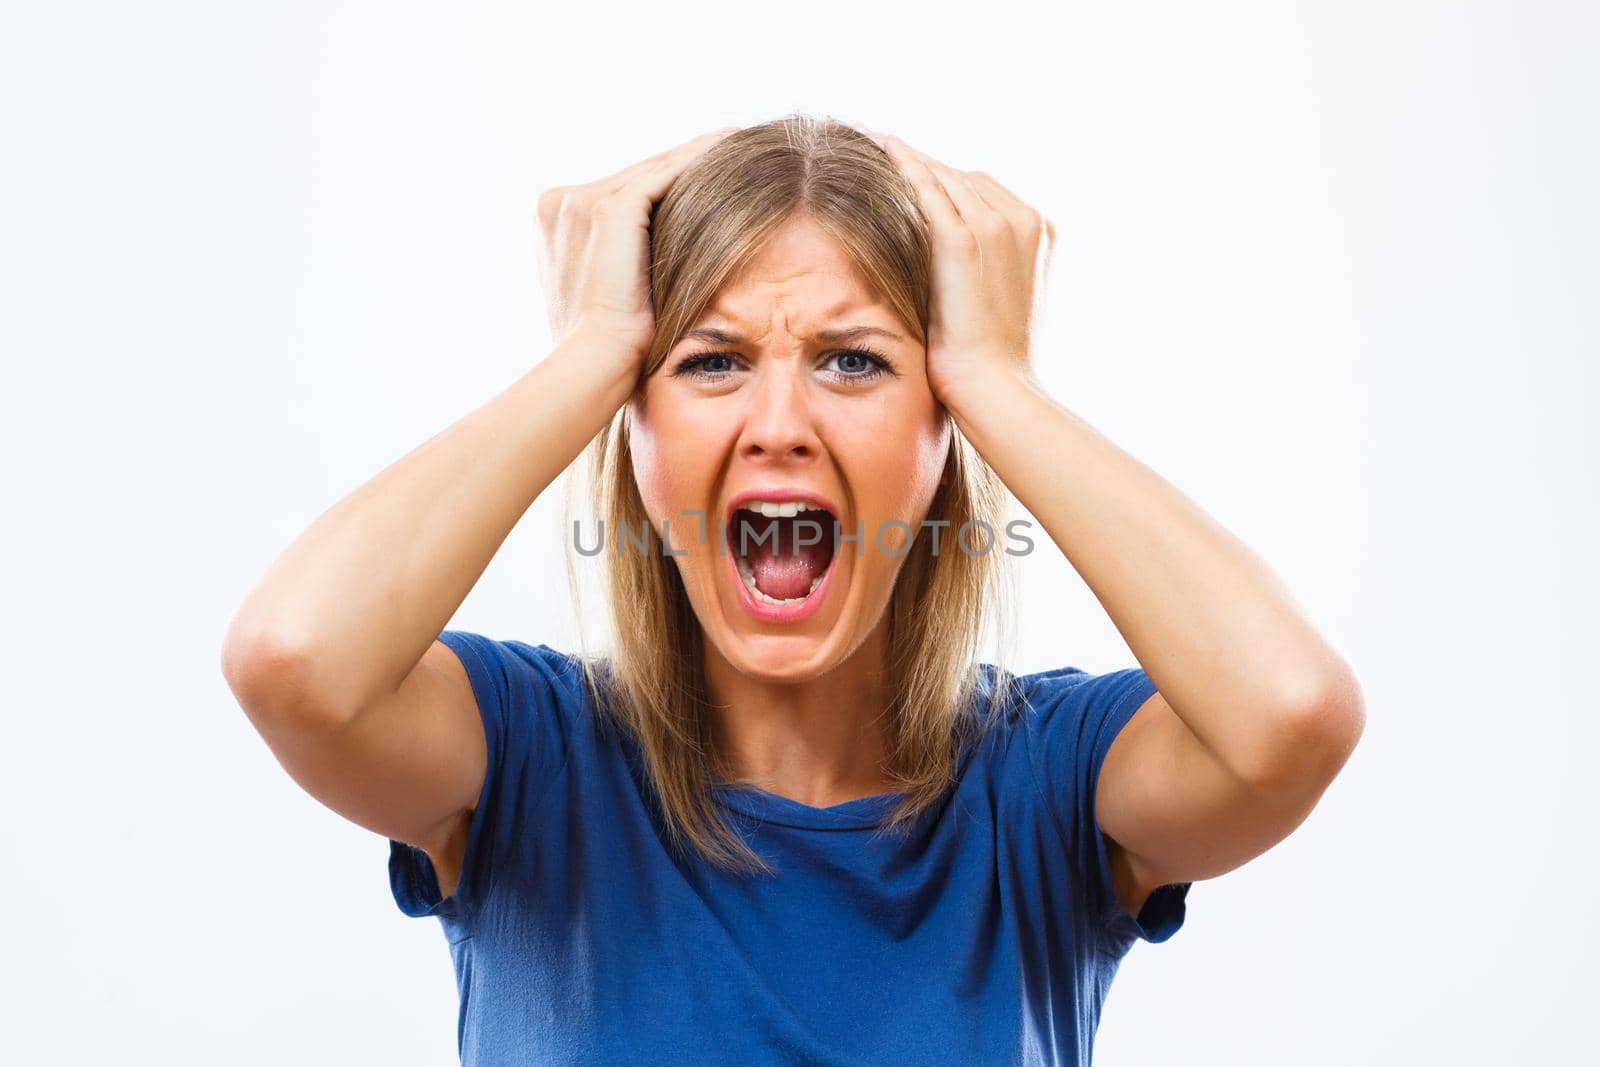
(794, 702)
(334, 657)
(1255, 712)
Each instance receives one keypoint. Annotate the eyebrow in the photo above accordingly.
(842, 335)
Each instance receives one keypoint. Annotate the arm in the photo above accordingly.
(334, 655)
(1255, 712)
(354, 602)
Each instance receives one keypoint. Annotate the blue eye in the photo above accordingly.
(701, 366)
(855, 358)
(856, 365)
(860, 364)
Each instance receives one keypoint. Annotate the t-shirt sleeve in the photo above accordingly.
(520, 691)
(1075, 718)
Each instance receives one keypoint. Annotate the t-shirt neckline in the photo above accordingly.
(858, 814)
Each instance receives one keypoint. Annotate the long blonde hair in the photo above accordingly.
(711, 222)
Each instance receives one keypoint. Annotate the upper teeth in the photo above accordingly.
(780, 509)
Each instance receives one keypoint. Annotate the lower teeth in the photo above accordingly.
(749, 578)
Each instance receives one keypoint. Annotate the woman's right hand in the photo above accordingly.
(594, 258)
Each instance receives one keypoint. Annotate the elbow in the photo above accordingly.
(1315, 735)
(272, 677)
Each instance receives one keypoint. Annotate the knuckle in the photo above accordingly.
(993, 226)
(963, 240)
(567, 202)
(550, 201)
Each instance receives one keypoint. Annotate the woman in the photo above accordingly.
(790, 819)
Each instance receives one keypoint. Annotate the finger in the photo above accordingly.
(612, 182)
(653, 184)
(979, 216)
(1021, 214)
(997, 194)
(931, 193)
(1027, 220)
(974, 208)
(675, 158)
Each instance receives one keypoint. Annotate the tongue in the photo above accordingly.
(781, 572)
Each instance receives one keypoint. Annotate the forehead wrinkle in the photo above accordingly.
(799, 262)
(826, 321)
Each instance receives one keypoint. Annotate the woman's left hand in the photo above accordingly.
(989, 250)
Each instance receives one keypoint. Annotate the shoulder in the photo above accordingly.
(1042, 697)
(509, 661)
(1062, 722)
(1105, 699)
(521, 685)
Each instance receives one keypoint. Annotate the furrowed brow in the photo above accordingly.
(842, 335)
(847, 334)
(714, 335)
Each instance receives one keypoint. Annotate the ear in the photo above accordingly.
(946, 475)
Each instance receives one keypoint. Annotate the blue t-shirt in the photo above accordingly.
(989, 935)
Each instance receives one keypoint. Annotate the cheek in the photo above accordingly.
(900, 458)
(668, 462)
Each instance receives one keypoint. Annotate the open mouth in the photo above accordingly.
(783, 550)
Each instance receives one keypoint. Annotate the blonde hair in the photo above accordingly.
(715, 217)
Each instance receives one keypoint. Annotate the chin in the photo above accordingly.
(782, 658)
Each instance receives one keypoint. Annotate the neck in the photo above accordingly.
(820, 742)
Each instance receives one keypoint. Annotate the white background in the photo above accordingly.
(1329, 268)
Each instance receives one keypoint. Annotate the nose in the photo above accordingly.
(778, 424)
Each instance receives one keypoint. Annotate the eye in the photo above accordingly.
(855, 366)
(860, 365)
(709, 366)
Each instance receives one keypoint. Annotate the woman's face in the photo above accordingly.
(765, 401)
